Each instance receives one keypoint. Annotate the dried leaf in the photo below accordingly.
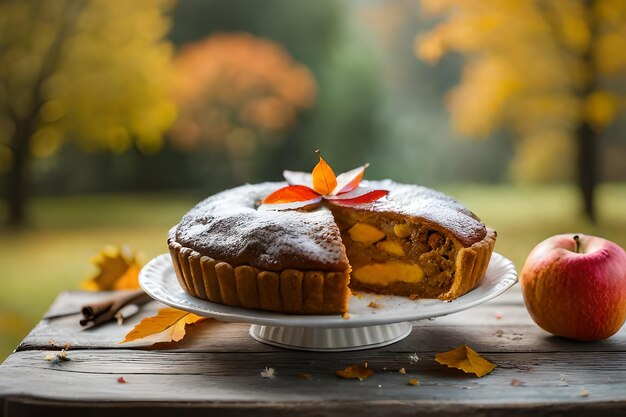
(413, 381)
(356, 371)
(56, 358)
(121, 380)
(269, 373)
(118, 269)
(465, 359)
(292, 194)
(168, 325)
(348, 181)
(305, 376)
(324, 180)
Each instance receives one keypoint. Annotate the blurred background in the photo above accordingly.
(116, 117)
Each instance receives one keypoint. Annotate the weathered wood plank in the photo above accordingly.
(226, 377)
(426, 408)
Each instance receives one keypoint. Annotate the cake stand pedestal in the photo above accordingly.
(333, 339)
(366, 327)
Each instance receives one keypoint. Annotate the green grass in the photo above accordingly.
(52, 254)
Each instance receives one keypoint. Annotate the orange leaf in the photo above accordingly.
(118, 270)
(348, 181)
(324, 180)
(167, 326)
(291, 194)
(467, 360)
(356, 371)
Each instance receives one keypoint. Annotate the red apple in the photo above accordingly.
(574, 286)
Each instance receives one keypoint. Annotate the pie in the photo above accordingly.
(415, 242)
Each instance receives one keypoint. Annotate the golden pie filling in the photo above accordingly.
(392, 256)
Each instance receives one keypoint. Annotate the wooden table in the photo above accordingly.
(216, 370)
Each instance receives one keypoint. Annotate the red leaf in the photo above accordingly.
(366, 197)
(291, 194)
(350, 180)
(324, 180)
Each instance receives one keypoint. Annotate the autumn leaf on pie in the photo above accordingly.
(118, 269)
(356, 371)
(306, 189)
(467, 360)
(167, 326)
(324, 179)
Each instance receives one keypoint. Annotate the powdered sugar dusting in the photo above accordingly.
(228, 227)
(430, 205)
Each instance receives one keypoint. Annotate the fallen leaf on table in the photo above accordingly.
(167, 326)
(356, 371)
(467, 360)
(118, 269)
(413, 381)
(269, 373)
(56, 358)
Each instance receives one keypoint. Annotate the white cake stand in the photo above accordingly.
(366, 327)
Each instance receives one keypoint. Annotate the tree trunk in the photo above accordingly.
(17, 177)
(587, 169)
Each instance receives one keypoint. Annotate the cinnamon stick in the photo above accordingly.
(103, 311)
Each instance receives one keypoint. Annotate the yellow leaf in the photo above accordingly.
(168, 325)
(601, 108)
(324, 179)
(467, 360)
(118, 269)
(356, 371)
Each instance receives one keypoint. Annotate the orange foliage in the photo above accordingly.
(538, 68)
(234, 90)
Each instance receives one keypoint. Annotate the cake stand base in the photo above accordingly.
(331, 340)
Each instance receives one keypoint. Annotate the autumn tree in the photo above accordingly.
(93, 71)
(235, 93)
(547, 71)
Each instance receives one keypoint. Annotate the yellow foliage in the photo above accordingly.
(118, 269)
(96, 71)
(234, 90)
(531, 66)
(543, 156)
(600, 108)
